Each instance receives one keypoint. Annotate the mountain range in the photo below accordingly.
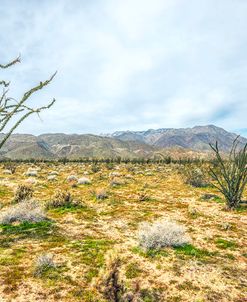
(196, 138)
(127, 144)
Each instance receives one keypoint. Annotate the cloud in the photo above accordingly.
(129, 64)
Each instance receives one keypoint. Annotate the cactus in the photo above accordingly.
(230, 175)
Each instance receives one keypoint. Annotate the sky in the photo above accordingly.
(128, 64)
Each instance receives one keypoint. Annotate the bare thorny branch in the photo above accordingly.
(9, 107)
(17, 60)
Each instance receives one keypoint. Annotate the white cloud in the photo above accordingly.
(129, 64)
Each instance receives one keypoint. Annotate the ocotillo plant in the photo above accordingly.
(230, 175)
(17, 110)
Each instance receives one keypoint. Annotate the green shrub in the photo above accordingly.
(230, 175)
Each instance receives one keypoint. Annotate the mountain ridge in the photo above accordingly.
(195, 138)
(127, 144)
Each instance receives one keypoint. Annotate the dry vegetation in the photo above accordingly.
(87, 213)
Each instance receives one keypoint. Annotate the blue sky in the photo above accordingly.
(129, 64)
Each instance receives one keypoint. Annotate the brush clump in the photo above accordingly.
(161, 233)
(84, 181)
(23, 192)
(62, 198)
(25, 211)
(44, 263)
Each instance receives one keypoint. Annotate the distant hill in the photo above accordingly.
(50, 146)
(192, 142)
(196, 138)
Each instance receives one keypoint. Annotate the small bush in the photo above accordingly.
(31, 172)
(100, 193)
(195, 178)
(209, 196)
(84, 181)
(109, 166)
(72, 178)
(43, 264)
(61, 198)
(160, 234)
(25, 211)
(6, 171)
(116, 181)
(51, 178)
(23, 192)
(31, 181)
(108, 282)
(10, 167)
(95, 168)
(143, 196)
(193, 211)
(114, 174)
(130, 168)
(54, 173)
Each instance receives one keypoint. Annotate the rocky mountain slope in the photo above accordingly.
(72, 146)
(196, 138)
(127, 144)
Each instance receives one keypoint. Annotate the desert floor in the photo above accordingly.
(211, 268)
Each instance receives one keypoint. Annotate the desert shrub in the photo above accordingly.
(23, 192)
(114, 174)
(109, 166)
(161, 233)
(195, 177)
(100, 193)
(143, 196)
(10, 167)
(95, 168)
(52, 178)
(84, 181)
(209, 196)
(25, 211)
(139, 173)
(130, 168)
(72, 178)
(31, 181)
(193, 211)
(44, 263)
(61, 198)
(31, 172)
(108, 282)
(230, 175)
(116, 181)
(54, 173)
(6, 171)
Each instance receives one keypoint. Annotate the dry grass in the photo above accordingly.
(212, 267)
